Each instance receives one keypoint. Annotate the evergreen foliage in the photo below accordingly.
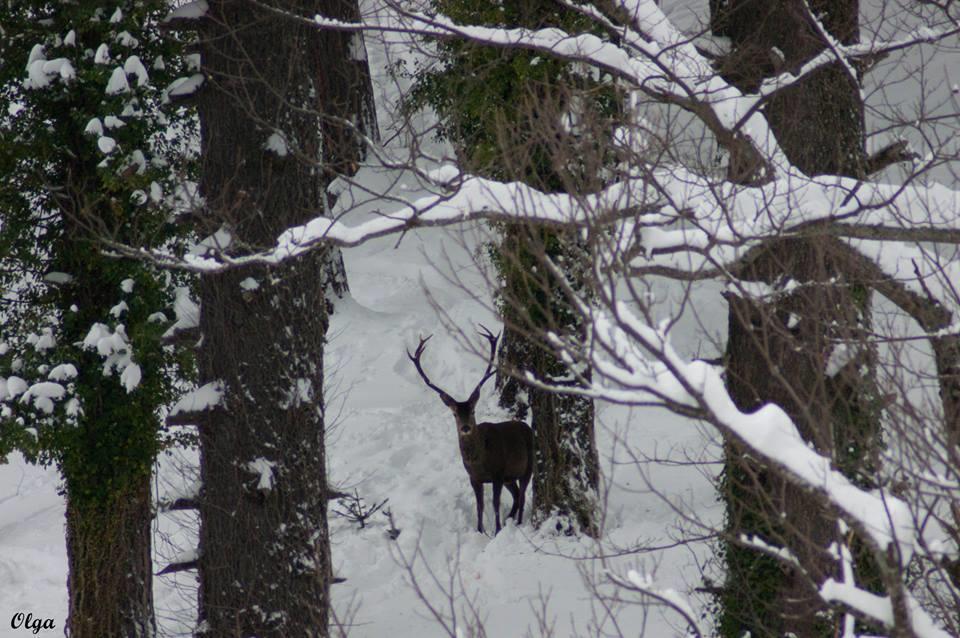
(90, 151)
(62, 195)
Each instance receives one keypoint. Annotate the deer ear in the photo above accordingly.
(448, 401)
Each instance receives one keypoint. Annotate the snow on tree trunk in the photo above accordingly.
(273, 139)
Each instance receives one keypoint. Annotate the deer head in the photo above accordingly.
(463, 411)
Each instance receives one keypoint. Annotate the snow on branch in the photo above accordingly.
(628, 356)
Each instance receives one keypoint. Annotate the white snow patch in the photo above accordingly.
(127, 40)
(63, 372)
(446, 174)
(276, 144)
(106, 144)
(190, 10)
(57, 278)
(184, 86)
(102, 56)
(131, 376)
(264, 468)
(94, 127)
(45, 340)
(186, 311)
(43, 395)
(13, 387)
(133, 66)
(118, 82)
(203, 398)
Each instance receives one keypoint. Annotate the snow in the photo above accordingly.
(127, 285)
(57, 278)
(102, 56)
(62, 372)
(43, 395)
(264, 469)
(184, 86)
(190, 10)
(130, 377)
(41, 71)
(13, 387)
(94, 127)
(133, 66)
(203, 398)
(276, 144)
(118, 82)
(127, 40)
(106, 144)
(44, 341)
(186, 311)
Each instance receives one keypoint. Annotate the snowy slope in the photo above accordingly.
(33, 575)
(393, 438)
(396, 440)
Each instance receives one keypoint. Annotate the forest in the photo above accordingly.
(292, 291)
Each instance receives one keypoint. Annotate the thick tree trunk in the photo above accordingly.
(566, 463)
(787, 348)
(264, 545)
(804, 348)
(106, 457)
(109, 578)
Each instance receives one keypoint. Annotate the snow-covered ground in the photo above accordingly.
(393, 438)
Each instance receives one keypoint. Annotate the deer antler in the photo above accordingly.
(486, 334)
(415, 357)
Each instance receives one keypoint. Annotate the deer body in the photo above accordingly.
(500, 454)
(497, 453)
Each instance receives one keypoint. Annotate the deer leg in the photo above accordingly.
(522, 488)
(515, 493)
(478, 493)
(497, 487)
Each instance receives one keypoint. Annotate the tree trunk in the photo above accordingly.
(109, 582)
(783, 348)
(566, 463)
(264, 544)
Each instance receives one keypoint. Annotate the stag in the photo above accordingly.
(498, 453)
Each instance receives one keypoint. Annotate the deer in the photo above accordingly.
(498, 453)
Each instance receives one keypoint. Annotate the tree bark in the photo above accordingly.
(109, 579)
(566, 463)
(264, 545)
(783, 349)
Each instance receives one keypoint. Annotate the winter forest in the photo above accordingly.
(294, 290)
